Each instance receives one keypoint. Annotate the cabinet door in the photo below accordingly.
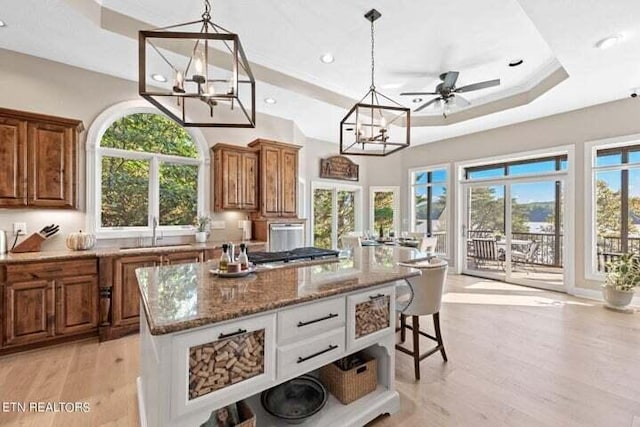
(126, 297)
(182, 257)
(52, 155)
(28, 312)
(289, 184)
(13, 158)
(76, 305)
(250, 182)
(270, 171)
(232, 179)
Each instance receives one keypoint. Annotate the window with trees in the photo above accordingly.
(149, 169)
(384, 213)
(429, 204)
(335, 213)
(616, 203)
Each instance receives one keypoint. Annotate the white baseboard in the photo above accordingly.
(597, 295)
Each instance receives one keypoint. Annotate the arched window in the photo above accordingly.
(148, 171)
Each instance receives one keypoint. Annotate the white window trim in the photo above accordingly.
(93, 158)
(569, 221)
(590, 149)
(448, 185)
(396, 205)
(335, 187)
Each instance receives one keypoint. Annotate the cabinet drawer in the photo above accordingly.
(298, 358)
(221, 363)
(370, 315)
(303, 322)
(51, 270)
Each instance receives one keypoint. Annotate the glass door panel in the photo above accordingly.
(322, 218)
(534, 243)
(484, 230)
(384, 210)
(346, 214)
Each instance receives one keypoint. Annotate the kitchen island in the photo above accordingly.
(207, 342)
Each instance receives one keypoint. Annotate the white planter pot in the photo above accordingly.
(615, 297)
(201, 236)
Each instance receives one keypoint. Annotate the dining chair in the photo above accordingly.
(421, 296)
(351, 242)
(416, 235)
(428, 244)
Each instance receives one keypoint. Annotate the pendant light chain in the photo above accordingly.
(373, 66)
(206, 16)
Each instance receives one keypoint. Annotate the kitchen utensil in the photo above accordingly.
(296, 400)
(51, 231)
(3, 242)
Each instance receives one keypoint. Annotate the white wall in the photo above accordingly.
(42, 86)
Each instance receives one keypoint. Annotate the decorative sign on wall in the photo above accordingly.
(339, 167)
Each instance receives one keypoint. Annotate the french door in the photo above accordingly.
(514, 230)
(336, 212)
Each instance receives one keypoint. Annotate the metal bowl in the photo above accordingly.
(296, 400)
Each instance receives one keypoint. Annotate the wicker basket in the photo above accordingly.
(247, 417)
(350, 385)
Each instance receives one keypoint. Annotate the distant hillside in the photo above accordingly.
(538, 211)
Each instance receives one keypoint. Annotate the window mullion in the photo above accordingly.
(154, 190)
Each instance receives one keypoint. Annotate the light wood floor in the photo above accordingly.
(517, 357)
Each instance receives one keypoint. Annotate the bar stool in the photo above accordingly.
(351, 242)
(421, 296)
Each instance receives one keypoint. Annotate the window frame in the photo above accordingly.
(591, 170)
(334, 187)
(447, 184)
(95, 153)
(396, 205)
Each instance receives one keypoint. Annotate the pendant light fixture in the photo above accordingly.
(371, 128)
(208, 80)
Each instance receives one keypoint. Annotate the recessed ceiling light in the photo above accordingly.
(609, 41)
(416, 100)
(159, 78)
(327, 58)
(2, 24)
(516, 62)
(270, 101)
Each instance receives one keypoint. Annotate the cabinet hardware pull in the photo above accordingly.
(330, 316)
(238, 332)
(377, 296)
(330, 348)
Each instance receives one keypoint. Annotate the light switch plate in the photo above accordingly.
(218, 225)
(19, 228)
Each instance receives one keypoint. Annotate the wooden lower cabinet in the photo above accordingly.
(76, 305)
(29, 312)
(183, 257)
(125, 298)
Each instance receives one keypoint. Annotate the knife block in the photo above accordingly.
(32, 243)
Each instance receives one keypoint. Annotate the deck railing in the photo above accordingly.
(548, 252)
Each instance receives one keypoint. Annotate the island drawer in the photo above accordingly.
(307, 355)
(303, 322)
(369, 315)
(224, 361)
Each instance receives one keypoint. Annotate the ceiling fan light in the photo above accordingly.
(608, 41)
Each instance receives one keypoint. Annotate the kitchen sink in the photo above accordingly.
(137, 248)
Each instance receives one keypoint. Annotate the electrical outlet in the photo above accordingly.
(218, 225)
(19, 228)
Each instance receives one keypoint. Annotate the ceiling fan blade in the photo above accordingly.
(425, 105)
(478, 86)
(418, 93)
(450, 79)
(460, 101)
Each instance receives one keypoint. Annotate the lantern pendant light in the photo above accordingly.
(210, 83)
(371, 128)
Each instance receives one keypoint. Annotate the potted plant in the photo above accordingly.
(201, 224)
(623, 275)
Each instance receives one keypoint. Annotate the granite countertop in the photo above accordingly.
(113, 251)
(186, 296)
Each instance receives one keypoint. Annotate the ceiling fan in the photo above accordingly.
(449, 94)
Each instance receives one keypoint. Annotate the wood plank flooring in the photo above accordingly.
(517, 357)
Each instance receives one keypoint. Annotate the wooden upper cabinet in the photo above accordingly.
(41, 154)
(13, 158)
(278, 181)
(234, 178)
